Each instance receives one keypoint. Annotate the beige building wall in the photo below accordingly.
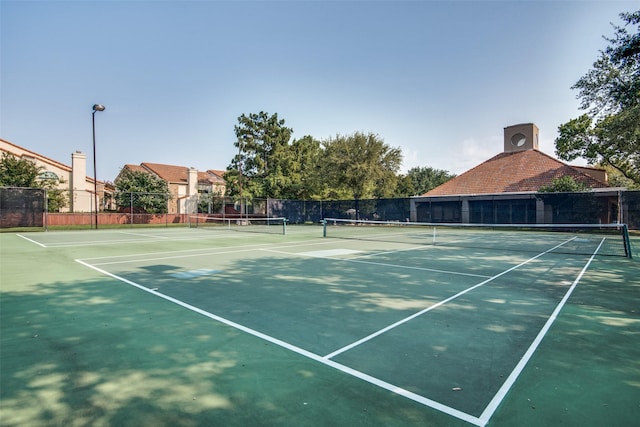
(73, 180)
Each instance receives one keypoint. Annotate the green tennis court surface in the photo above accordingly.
(188, 327)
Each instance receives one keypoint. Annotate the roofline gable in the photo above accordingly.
(502, 174)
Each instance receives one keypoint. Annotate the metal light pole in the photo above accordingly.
(96, 107)
(240, 172)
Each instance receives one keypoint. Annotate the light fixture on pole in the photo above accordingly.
(96, 107)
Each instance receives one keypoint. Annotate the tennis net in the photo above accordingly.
(609, 239)
(250, 224)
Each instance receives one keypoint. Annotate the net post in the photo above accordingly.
(284, 227)
(627, 241)
(324, 227)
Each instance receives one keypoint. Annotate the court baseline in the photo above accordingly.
(326, 360)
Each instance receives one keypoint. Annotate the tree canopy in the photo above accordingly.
(419, 180)
(562, 185)
(361, 164)
(141, 190)
(15, 172)
(18, 172)
(259, 169)
(609, 132)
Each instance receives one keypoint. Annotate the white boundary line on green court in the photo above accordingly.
(350, 371)
(511, 379)
(121, 241)
(129, 233)
(381, 264)
(434, 306)
(203, 252)
(480, 421)
(32, 241)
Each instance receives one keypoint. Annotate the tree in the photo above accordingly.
(263, 154)
(15, 172)
(405, 187)
(361, 164)
(616, 179)
(56, 197)
(424, 179)
(609, 133)
(564, 184)
(141, 190)
(298, 174)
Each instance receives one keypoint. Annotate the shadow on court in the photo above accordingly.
(78, 348)
(102, 353)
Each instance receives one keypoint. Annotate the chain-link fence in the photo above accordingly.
(26, 207)
(304, 211)
(22, 207)
(630, 209)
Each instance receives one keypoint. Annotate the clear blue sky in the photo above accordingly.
(439, 79)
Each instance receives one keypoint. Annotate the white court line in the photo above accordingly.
(120, 241)
(412, 248)
(451, 298)
(478, 421)
(143, 235)
(323, 360)
(511, 379)
(381, 264)
(182, 235)
(131, 261)
(215, 252)
(31, 240)
(218, 251)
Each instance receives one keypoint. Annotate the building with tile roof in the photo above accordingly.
(505, 188)
(184, 183)
(72, 178)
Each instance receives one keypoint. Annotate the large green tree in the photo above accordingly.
(18, 172)
(143, 191)
(361, 165)
(609, 132)
(260, 167)
(298, 174)
(423, 179)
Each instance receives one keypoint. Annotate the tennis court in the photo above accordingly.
(282, 326)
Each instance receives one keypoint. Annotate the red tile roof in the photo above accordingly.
(522, 171)
(170, 173)
(135, 168)
(208, 177)
(176, 174)
(218, 173)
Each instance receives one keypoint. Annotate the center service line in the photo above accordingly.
(323, 360)
(451, 298)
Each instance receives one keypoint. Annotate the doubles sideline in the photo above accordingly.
(327, 359)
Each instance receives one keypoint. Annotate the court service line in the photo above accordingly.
(511, 379)
(381, 264)
(323, 360)
(120, 241)
(143, 235)
(182, 235)
(374, 254)
(31, 240)
(218, 251)
(451, 298)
